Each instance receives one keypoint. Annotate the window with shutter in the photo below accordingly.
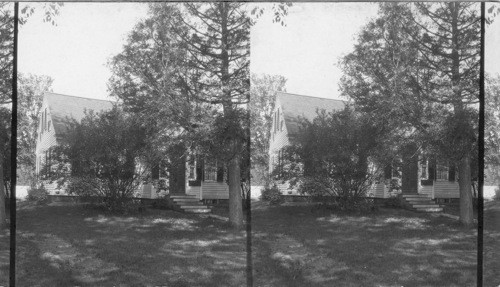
(424, 170)
(192, 168)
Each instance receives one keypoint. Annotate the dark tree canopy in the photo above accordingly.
(108, 150)
(337, 154)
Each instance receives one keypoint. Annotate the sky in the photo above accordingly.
(305, 51)
(75, 52)
(316, 36)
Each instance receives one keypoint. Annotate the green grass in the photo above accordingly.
(302, 246)
(69, 245)
(4, 256)
(491, 244)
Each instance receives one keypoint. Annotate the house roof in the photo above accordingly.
(295, 106)
(63, 108)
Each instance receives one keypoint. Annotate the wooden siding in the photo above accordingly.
(446, 189)
(193, 190)
(285, 189)
(214, 190)
(148, 191)
(279, 137)
(378, 190)
(427, 189)
(52, 188)
(46, 138)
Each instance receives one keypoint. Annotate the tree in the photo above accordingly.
(219, 46)
(440, 72)
(6, 65)
(449, 43)
(100, 156)
(382, 75)
(492, 130)
(263, 90)
(31, 90)
(5, 119)
(183, 67)
(338, 154)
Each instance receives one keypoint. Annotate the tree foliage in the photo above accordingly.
(6, 66)
(5, 159)
(263, 95)
(338, 154)
(418, 63)
(492, 130)
(30, 97)
(184, 68)
(105, 152)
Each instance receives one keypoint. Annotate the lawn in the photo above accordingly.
(4, 254)
(300, 246)
(69, 245)
(491, 244)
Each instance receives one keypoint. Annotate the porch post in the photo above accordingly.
(201, 190)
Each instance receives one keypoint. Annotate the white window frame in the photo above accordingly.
(424, 168)
(192, 169)
(210, 171)
(442, 172)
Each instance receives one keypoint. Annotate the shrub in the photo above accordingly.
(272, 195)
(38, 194)
(497, 194)
(95, 191)
(393, 202)
(162, 203)
(351, 204)
(99, 157)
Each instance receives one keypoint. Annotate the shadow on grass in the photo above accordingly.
(491, 244)
(386, 248)
(78, 246)
(4, 256)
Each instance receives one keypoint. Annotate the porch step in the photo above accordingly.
(198, 210)
(421, 203)
(418, 199)
(190, 207)
(186, 199)
(183, 196)
(430, 209)
(189, 204)
(416, 195)
(184, 202)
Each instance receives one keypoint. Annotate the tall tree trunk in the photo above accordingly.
(234, 175)
(3, 215)
(235, 200)
(464, 171)
(464, 182)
